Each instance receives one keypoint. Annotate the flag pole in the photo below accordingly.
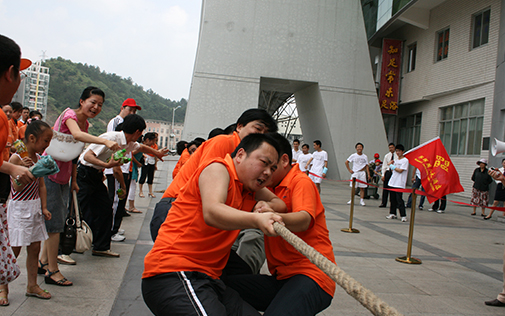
(408, 258)
(351, 215)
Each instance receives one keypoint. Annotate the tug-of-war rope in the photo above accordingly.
(363, 295)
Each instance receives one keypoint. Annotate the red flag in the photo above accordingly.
(438, 175)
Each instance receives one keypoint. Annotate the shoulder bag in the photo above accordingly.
(67, 237)
(64, 147)
(84, 235)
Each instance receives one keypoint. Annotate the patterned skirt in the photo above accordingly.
(479, 198)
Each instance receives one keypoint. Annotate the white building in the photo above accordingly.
(164, 131)
(33, 90)
(451, 83)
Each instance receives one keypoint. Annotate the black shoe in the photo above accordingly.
(125, 214)
(486, 218)
(382, 205)
(495, 302)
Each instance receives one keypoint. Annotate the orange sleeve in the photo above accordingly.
(20, 124)
(14, 129)
(4, 135)
(182, 160)
(21, 132)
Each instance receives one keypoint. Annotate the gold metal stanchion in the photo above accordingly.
(408, 258)
(353, 191)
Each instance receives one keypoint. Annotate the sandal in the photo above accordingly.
(473, 214)
(152, 195)
(4, 298)
(142, 195)
(60, 282)
(41, 269)
(42, 294)
(134, 210)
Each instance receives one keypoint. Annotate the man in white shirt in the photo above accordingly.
(119, 177)
(386, 173)
(96, 206)
(303, 158)
(296, 151)
(319, 162)
(398, 180)
(359, 170)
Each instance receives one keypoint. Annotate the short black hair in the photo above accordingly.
(230, 129)
(16, 106)
(400, 147)
(253, 141)
(318, 143)
(35, 112)
(36, 128)
(356, 146)
(258, 115)
(198, 141)
(181, 145)
(306, 145)
(10, 54)
(26, 108)
(133, 123)
(88, 92)
(149, 136)
(284, 145)
(216, 131)
(391, 144)
(296, 140)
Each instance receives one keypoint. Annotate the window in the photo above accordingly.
(161, 141)
(409, 134)
(166, 141)
(481, 28)
(461, 127)
(412, 50)
(442, 44)
(162, 130)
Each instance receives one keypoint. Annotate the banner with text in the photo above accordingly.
(390, 76)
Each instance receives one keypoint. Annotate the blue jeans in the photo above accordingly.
(416, 185)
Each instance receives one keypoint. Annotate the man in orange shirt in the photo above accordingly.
(296, 286)
(25, 115)
(251, 121)
(17, 108)
(182, 270)
(187, 152)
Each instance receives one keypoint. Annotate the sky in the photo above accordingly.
(152, 41)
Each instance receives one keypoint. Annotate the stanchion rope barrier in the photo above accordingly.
(363, 295)
(418, 192)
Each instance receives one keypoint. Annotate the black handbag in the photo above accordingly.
(68, 236)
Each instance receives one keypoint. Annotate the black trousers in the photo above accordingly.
(113, 186)
(397, 202)
(96, 206)
(386, 193)
(147, 172)
(159, 215)
(441, 202)
(295, 296)
(192, 293)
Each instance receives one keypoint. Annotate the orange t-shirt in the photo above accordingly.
(14, 129)
(300, 194)
(217, 147)
(21, 131)
(20, 124)
(182, 160)
(155, 147)
(185, 242)
(4, 136)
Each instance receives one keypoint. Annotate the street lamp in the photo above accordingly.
(173, 131)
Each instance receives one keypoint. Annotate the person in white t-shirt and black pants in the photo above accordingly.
(359, 170)
(398, 180)
(296, 151)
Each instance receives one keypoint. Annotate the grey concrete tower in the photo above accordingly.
(316, 49)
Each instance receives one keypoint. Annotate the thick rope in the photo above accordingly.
(366, 297)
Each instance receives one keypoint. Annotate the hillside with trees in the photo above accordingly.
(68, 80)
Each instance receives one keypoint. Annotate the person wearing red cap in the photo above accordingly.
(119, 177)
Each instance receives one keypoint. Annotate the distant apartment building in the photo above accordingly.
(164, 131)
(33, 90)
(446, 58)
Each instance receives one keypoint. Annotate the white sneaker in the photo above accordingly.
(118, 238)
(362, 203)
(349, 202)
(391, 216)
(120, 232)
(430, 210)
(404, 218)
(65, 259)
(440, 211)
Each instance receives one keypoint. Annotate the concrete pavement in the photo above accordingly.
(461, 262)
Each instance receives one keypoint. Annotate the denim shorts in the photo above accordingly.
(57, 203)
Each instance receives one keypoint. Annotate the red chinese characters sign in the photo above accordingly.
(390, 76)
(438, 175)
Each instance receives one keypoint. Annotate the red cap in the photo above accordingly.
(25, 63)
(376, 155)
(378, 161)
(131, 103)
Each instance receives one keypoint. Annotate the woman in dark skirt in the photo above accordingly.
(480, 191)
(499, 196)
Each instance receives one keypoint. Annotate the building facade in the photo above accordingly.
(34, 89)
(448, 74)
(166, 137)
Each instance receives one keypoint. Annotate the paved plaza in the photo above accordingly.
(461, 262)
